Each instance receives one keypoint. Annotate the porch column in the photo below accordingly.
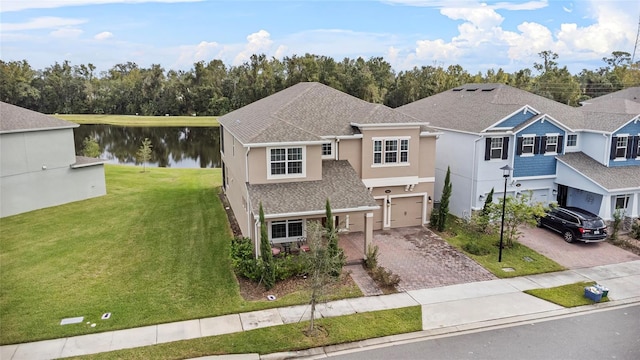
(368, 231)
(633, 204)
(605, 207)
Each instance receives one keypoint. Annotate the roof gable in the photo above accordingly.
(515, 119)
(306, 112)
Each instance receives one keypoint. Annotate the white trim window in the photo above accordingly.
(622, 142)
(327, 150)
(286, 230)
(572, 140)
(528, 144)
(496, 147)
(393, 151)
(286, 162)
(552, 144)
(622, 201)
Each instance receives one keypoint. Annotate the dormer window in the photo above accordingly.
(285, 162)
(621, 146)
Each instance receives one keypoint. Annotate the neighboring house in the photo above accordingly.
(295, 149)
(586, 157)
(38, 165)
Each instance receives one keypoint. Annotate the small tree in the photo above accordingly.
(443, 210)
(332, 239)
(320, 266)
(268, 270)
(482, 219)
(144, 153)
(519, 210)
(487, 203)
(90, 147)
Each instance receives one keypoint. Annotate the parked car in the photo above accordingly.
(575, 224)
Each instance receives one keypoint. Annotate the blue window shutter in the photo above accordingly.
(536, 145)
(560, 144)
(487, 149)
(614, 139)
(505, 148)
(519, 148)
(634, 150)
(630, 144)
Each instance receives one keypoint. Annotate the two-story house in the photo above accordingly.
(549, 145)
(38, 164)
(297, 148)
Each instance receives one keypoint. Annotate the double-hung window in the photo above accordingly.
(572, 140)
(286, 229)
(496, 148)
(621, 146)
(528, 143)
(390, 151)
(286, 161)
(552, 144)
(327, 151)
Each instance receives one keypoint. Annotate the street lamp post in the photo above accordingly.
(506, 171)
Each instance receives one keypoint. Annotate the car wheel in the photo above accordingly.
(568, 236)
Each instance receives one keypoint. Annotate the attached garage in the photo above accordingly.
(406, 211)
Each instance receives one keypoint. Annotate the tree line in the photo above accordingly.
(212, 88)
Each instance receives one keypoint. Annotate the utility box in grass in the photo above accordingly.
(592, 293)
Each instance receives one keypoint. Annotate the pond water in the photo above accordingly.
(175, 147)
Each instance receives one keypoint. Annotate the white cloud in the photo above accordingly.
(66, 33)
(45, 22)
(190, 54)
(506, 5)
(259, 42)
(482, 17)
(103, 35)
(18, 5)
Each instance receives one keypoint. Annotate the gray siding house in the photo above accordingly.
(38, 165)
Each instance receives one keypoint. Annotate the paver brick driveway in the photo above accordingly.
(573, 255)
(420, 257)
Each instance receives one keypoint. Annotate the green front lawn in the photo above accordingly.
(570, 295)
(135, 120)
(155, 249)
(288, 337)
(518, 260)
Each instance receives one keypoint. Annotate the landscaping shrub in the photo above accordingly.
(244, 263)
(289, 266)
(371, 260)
(635, 230)
(476, 248)
(385, 278)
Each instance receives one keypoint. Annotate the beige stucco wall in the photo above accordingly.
(351, 150)
(233, 156)
(369, 170)
(427, 161)
(258, 163)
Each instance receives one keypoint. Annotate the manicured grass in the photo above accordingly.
(520, 258)
(155, 249)
(567, 295)
(134, 120)
(288, 337)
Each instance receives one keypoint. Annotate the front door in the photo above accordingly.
(562, 195)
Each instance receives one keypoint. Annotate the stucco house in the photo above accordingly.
(297, 148)
(38, 165)
(585, 157)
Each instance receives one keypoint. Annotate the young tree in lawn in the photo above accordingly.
(519, 211)
(268, 270)
(332, 238)
(443, 211)
(321, 266)
(90, 147)
(144, 153)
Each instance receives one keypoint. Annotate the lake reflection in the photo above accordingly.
(176, 147)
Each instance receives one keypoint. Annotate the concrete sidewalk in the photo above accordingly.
(444, 310)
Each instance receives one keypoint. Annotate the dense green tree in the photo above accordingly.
(443, 210)
(268, 270)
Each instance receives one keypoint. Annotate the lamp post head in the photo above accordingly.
(506, 171)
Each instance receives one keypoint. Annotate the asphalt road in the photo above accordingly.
(606, 334)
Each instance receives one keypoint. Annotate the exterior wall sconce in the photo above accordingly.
(481, 197)
(554, 192)
(388, 202)
(429, 199)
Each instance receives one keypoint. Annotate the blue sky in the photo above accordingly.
(406, 33)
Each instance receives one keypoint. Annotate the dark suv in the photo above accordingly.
(575, 224)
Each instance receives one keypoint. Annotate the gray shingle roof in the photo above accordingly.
(304, 112)
(625, 101)
(475, 107)
(610, 178)
(16, 119)
(340, 184)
